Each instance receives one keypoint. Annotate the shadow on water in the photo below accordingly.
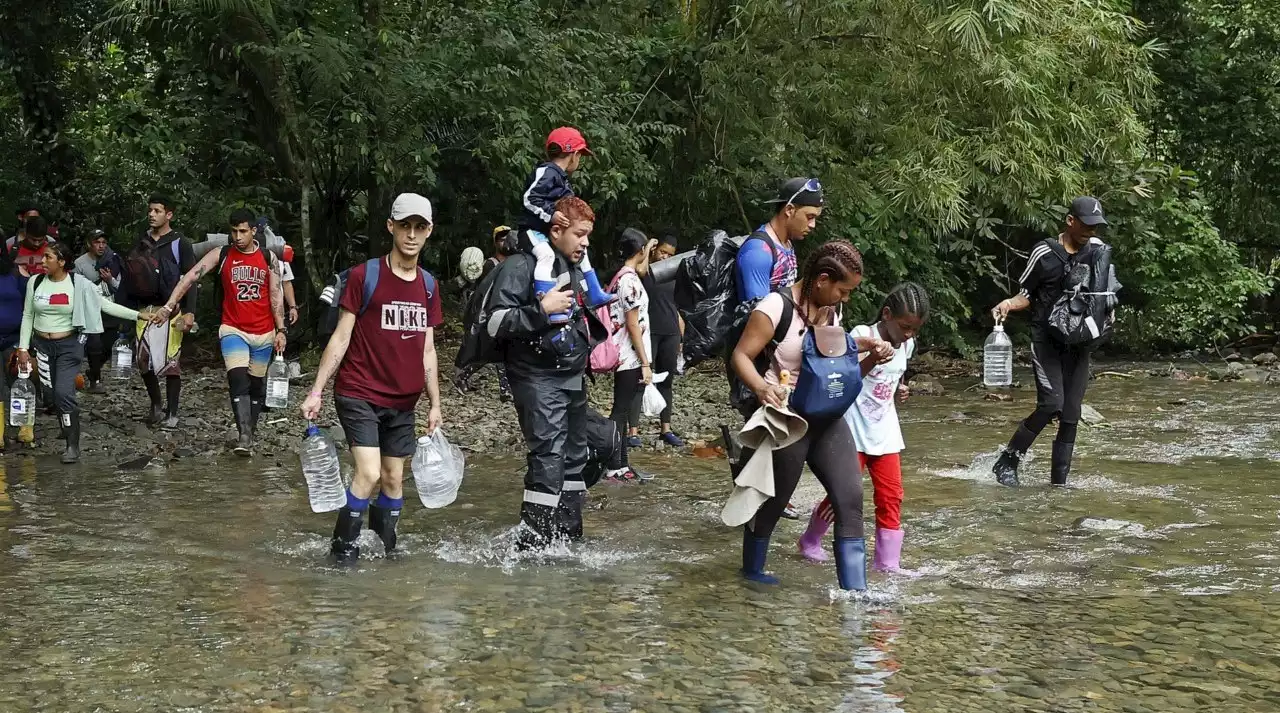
(1148, 585)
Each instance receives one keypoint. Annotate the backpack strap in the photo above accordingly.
(372, 268)
(784, 319)
(428, 281)
(176, 260)
(222, 256)
(39, 279)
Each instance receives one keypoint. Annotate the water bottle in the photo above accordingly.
(323, 473)
(122, 359)
(278, 383)
(997, 359)
(437, 470)
(22, 401)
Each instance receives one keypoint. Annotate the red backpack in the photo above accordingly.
(605, 356)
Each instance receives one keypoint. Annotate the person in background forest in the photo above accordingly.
(87, 266)
(634, 340)
(30, 246)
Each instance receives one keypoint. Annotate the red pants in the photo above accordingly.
(886, 488)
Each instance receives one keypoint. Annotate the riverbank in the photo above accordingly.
(114, 434)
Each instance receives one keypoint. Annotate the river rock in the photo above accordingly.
(1266, 359)
(923, 385)
(1234, 356)
(997, 396)
(1090, 415)
(1254, 376)
(1235, 368)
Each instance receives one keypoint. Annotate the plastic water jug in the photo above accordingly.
(437, 470)
(278, 383)
(122, 360)
(997, 359)
(322, 471)
(22, 401)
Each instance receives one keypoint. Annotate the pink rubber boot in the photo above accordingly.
(889, 553)
(810, 543)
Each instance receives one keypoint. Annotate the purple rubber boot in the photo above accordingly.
(889, 553)
(810, 543)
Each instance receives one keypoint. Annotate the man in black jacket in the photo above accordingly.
(547, 364)
(172, 255)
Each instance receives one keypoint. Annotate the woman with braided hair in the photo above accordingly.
(830, 275)
(873, 418)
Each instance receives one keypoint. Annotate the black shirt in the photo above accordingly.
(1044, 278)
(664, 320)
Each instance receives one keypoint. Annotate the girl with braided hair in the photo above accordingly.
(873, 419)
(831, 273)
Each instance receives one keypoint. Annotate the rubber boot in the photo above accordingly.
(888, 554)
(383, 522)
(596, 297)
(754, 552)
(537, 526)
(241, 409)
(173, 393)
(71, 432)
(810, 542)
(569, 515)
(255, 412)
(344, 548)
(1006, 467)
(541, 288)
(1060, 464)
(152, 382)
(851, 563)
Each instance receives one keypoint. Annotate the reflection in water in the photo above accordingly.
(1146, 586)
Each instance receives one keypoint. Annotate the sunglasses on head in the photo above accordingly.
(810, 186)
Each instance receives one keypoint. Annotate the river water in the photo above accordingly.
(1144, 587)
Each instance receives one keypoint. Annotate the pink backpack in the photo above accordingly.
(606, 355)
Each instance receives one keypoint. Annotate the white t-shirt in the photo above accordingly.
(286, 272)
(873, 418)
(631, 296)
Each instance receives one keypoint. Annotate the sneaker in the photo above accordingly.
(790, 512)
(98, 387)
(622, 475)
(671, 439)
(634, 442)
(641, 475)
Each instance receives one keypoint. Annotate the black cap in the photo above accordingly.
(1088, 210)
(800, 191)
(97, 233)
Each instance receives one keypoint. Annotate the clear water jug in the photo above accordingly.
(278, 383)
(437, 470)
(22, 401)
(121, 360)
(997, 359)
(322, 471)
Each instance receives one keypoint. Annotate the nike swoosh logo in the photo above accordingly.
(406, 336)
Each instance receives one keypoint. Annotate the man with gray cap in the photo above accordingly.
(384, 355)
(1061, 370)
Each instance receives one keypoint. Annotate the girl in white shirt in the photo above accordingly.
(873, 418)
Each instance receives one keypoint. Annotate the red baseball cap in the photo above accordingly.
(567, 139)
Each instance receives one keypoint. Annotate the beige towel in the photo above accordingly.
(769, 428)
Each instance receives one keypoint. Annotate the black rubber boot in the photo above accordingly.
(569, 514)
(1006, 468)
(344, 548)
(71, 432)
(537, 526)
(241, 409)
(152, 382)
(383, 522)
(173, 393)
(1060, 465)
(255, 412)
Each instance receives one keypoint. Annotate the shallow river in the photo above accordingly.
(205, 588)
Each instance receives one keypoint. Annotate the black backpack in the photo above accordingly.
(1084, 313)
(478, 347)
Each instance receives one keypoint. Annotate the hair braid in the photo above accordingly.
(838, 259)
(907, 298)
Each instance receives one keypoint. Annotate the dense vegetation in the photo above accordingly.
(947, 134)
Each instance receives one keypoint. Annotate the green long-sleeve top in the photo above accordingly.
(66, 305)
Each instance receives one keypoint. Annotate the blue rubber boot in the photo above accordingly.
(851, 563)
(596, 296)
(754, 551)
(541, 288)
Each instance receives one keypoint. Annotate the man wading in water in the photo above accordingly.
(1062, 371)
(547, 364)
(384, 355)
(252, 318)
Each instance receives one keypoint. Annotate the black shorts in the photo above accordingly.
(370, 426)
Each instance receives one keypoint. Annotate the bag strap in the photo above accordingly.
(176, 260)
(222, 256)
(372, 268)
(785, 318)
(36, 287)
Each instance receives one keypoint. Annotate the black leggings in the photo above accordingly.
(829, 450)
(627, 386)
(1062, 375)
